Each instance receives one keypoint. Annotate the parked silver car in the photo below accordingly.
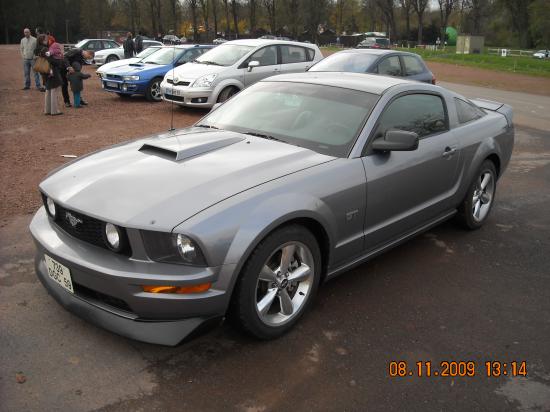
(293, 181)
(225, 70)
(114, 54)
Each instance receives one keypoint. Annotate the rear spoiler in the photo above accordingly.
(493, 106)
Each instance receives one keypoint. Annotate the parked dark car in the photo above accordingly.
(374, 43)
(384, 62)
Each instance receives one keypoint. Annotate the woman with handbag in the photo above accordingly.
(41, 64)
(54, 79)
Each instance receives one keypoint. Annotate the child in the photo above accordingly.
(75, 78)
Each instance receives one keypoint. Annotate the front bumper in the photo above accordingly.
(99, 60)
(108, 288)
(187, 96)
(122, 86)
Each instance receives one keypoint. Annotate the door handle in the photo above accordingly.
(449, 151)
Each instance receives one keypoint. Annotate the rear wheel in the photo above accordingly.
(278, 283)
(112, 58)
(153, 93)
(475, 208)
(227, 93)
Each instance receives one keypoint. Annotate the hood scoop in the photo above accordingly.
(183, 146)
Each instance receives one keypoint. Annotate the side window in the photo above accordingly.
(413, 66)
(310, 54)
(267, 56)
(94, 45)
(467, 111)
(390, 66)
(293, 54)
(423, 114)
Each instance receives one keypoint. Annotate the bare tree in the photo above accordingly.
(234, 11)
(419, 7)
(387, 8)
(193, 9)
(205, 11)
(445, 10)
(271, 16)
(519, 11)
(406, 6)
(340, 6)
(215, 16)
(293, 16)
(174, 11)
(226, 5)
(252, 9)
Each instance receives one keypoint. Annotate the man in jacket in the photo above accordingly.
(27, 46)
(74, 55)
(129, 46)
(139, 43)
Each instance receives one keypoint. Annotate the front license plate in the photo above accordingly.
(112, 84)
(59, 273)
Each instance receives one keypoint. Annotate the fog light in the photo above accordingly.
(51, 207)
(124, 88)
(112, 235)
(202, 287)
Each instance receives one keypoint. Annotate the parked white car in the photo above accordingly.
(140, 56)
(112, 55)
(541, 54)
(230, 67)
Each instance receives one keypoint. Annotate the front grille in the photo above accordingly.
(113, 76)
(94, 295)
(85, 228)
(178, 83)
(174, 98)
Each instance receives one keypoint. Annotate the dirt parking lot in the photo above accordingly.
(448, 295)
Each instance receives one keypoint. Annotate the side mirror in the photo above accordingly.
(396, 140)
(215, 106)
(252, 64)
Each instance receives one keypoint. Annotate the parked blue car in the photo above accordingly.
(145, 76)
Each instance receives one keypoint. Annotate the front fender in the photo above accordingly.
(225, 83)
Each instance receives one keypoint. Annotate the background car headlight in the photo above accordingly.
(51, 207)
(130, 77)
(205, 81)
(172, 248)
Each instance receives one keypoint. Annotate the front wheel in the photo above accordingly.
(475, 208)
(153, 93)
(278, 283)
(112, 58)
(227, 93)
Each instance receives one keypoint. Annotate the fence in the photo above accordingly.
(509, 52)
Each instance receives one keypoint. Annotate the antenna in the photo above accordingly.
(172, 99)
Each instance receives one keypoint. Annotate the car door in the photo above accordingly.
(409, 188)
(414, 69)
(269, 65)
(294, 59)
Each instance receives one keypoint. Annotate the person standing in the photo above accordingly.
(40, 51)
(74, 55)
(54, 79)
(129, 46)
(139, 42)
(27, 47)
(76, 78)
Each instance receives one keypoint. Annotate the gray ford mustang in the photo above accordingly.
(290, 183)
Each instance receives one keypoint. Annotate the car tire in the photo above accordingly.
(476, 206)
(226, 94)
(266, 302)
(153, 93)
(111, 58)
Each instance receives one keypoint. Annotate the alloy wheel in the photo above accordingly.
(483, 195)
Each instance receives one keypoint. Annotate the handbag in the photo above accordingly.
(41, 65)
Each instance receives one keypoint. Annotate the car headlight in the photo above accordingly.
(172, 248)
(205, 81)
(50, 204)
(130, 77)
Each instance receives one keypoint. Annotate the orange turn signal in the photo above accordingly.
(202, 287)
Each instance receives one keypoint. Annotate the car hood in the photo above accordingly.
(160, 181)
(137, 68)
(192, 71)
(117, 63)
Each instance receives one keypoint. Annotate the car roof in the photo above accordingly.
(370, 83)
(262, 42)
(188, 46)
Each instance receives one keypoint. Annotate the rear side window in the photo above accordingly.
(310, 54)
(413, 65)
(467, 112)
(390, 66)
(293, 54)
(423, 114)
(383, 42)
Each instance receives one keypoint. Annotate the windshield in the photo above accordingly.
(80, 43)
(325, 119)
(345, 62)
(147, 52)
(224, 55)
(383, 42)
(165, 55)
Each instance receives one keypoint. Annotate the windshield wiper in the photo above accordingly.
(264, 136)
(151, 63)
(208, 62)
(207, 126)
